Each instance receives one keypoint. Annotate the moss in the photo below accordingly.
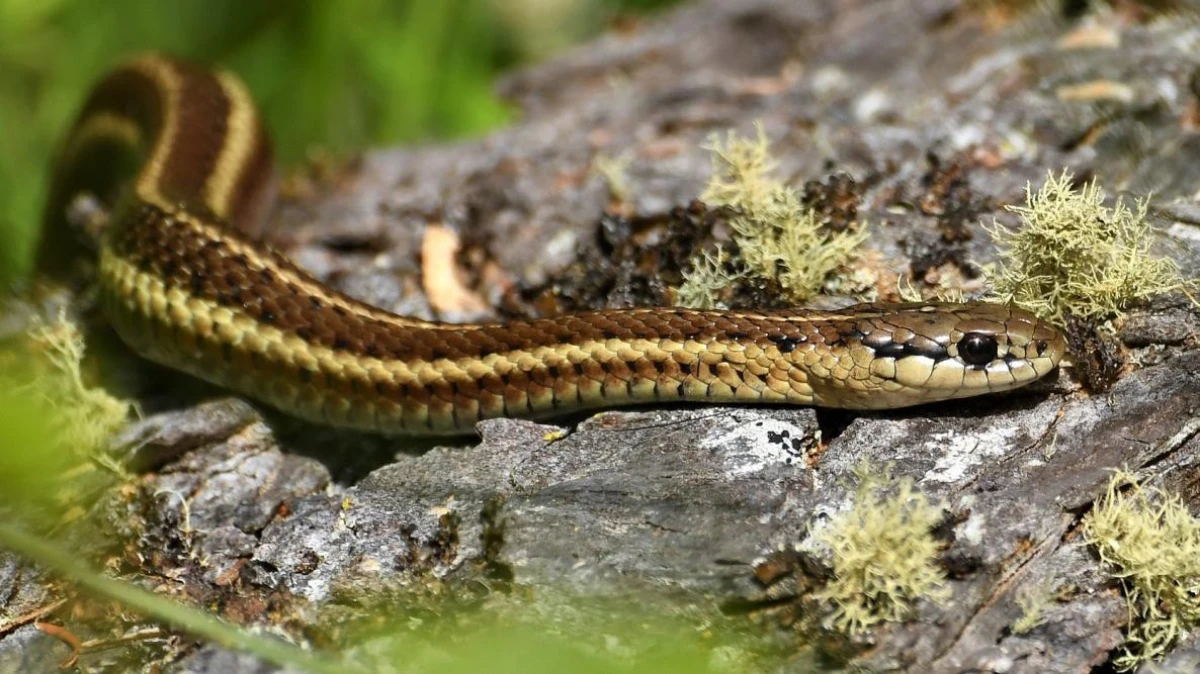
(777, 236)
(884, 556)
(1074, 255)
(1150, 542)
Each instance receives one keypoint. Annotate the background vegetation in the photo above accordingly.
(336, 75)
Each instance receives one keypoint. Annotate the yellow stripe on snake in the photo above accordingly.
(181, 157)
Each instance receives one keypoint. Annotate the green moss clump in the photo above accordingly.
(884, 556)
(1150, 542)
(777, 236)
(1074, 255)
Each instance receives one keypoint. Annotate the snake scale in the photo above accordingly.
(181, 159)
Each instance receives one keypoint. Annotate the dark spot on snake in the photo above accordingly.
(889, 350)
(738, 336)
(578, 369)
(609, 334)
(660, 366)
(305, 375)
(340, 344)
(685, 368)
(315, 302)
(977, 348)
(267, 316)
(339, 311)
(552, 370)
(785, 344)
(436, 354)
(372, 349)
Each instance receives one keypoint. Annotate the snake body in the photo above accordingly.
(184, 282)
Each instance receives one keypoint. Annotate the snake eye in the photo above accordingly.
(976, 348)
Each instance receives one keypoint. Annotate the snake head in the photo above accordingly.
(930, 352)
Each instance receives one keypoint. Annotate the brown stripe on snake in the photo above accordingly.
(185, 288)
(183, 170)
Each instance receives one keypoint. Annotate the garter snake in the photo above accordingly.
(182, 158)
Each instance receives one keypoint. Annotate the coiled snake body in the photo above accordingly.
(184, 285)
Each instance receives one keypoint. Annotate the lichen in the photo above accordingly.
(1033, 602)
(710, 275)
(614, 171)
(1150, 543)
(85, 416)
(778, 238)
(1074, 255)
(941, 292)
(884, 557)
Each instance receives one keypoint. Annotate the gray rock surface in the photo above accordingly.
(682, 511)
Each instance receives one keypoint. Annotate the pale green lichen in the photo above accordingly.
(942, 292)
(1033, 602)
(709, 276)
(1150, 542)
(86, 417)
(884, 557)
(777, 236)
(1074, 255)
(614, 171)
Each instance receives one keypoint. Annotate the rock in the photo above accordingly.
(705, 516)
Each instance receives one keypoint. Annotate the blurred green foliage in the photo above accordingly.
(338, 75)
